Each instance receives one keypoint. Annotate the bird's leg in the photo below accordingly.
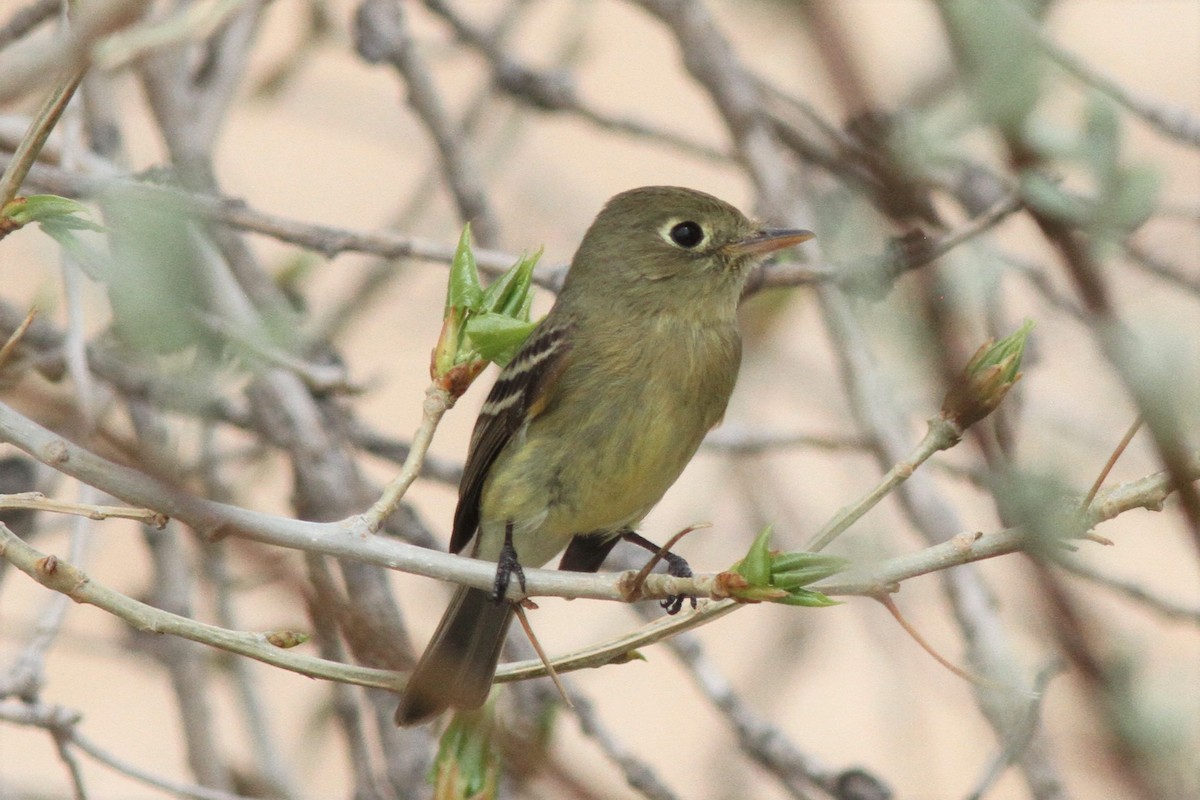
(507, 565)
(677, 566)
(586, 552)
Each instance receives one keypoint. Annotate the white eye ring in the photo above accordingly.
(685, 234)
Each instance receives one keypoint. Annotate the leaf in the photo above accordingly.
(49, 208)
(802, 559)
(93, 261)
(1005, 353)
(495, 337)
(156, 277)
(808, 598)
(467, 763)
(1047, 197)
(480, 326)
(464, 291)
(1000, 58)
(779, 577)
(1135, 197)
(819, 568)
(509, 294)
(1102, 141)
(756, 566)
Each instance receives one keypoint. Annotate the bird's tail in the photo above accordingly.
(459, 663)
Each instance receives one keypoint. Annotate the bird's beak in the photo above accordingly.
(768, 241)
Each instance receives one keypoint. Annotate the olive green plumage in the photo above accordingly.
(601, 409)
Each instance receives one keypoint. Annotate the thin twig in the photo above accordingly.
(541, 654)
(267, 756)
(940, 435)
(798, 773)
(27, 19)
(1172, 121)
(39, 130)
(37, 501)
(638, 774)
(437, 402)
(739, 442)
(1173, 274)
(1112, 461)
(187, 24)
(327, 240)
(1133, 591)
(639, 580)
(382, 34)
(887, 602)
(31, 62)
(555, 92)
(1020, 735)
(16, 336)
(332, 538)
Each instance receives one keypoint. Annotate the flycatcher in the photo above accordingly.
(597, 414)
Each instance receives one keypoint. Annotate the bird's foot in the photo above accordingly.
(507, 566)
(677, 567)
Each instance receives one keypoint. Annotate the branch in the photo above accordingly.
(1133, 591)
(60, 576)
(349, 539)
(941, 435)
(36, 501)
(555, 91)
(437, 401)
(26, 19)
(324, 239)
(638, 773)
(381, 33)
(1172, 121)
(32, 61)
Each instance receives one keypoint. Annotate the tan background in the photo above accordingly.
(338, 147)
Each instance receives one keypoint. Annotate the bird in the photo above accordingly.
(595, 416)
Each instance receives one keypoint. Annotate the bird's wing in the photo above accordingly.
(520, 393)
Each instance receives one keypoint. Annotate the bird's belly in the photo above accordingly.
(621, 457)
(550, 495)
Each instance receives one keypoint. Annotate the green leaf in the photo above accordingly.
(802, 559)
(818, 568)
(467, 763)
(1134, 198)
(808, 598)
(464, 290)
(155, 280)
(1102, 140)
(1048, 197)
(756, 566)
(1006, 353)
(478, 325)
(93, 261)
(495, 337)
(49, 208)
(519, 297)
(778, 578)
(1000, 58)
(510, 293)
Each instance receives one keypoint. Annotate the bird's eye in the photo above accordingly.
(687, 234)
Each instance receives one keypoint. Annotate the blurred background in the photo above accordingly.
(1061, 136)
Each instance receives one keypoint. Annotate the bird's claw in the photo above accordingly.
(507, 566)
(678, 567)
